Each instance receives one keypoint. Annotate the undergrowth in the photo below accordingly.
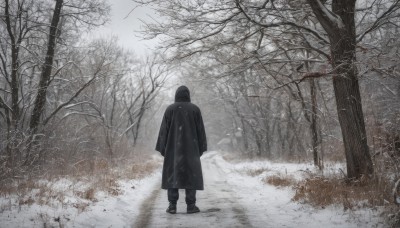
(280, 181)
(82, 182)
(321, 191)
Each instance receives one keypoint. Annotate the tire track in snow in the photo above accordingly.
(146, 209)
(218, 204)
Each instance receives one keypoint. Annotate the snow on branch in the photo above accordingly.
(329, 20)
(312, 31)
(332, 16)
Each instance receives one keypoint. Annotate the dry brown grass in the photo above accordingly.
(24, 191)
(279, 181)
(28, 201)
(366, 192)
(86, 177)
(140, 170)
(89, 194)
(109, 185)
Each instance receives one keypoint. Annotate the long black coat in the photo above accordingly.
(182, 140)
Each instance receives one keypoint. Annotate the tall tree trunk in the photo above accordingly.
(44, 82)
(244, 135)
(314, 119)
(340, 26)
(15, 43)
(46, 69)
(314, 125)
(347, 92)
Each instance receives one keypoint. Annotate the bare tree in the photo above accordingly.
(271, 33)
(46, 69)
(29, 46)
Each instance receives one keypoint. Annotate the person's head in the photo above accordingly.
(182, 94)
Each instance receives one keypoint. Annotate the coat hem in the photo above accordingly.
(199, 189)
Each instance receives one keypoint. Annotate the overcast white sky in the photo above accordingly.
(126, 27)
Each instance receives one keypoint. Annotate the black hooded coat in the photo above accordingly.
(182, 140)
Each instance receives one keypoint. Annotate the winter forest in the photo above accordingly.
(300, 101)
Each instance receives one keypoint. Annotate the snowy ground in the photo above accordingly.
(108, 211)
(231, 199)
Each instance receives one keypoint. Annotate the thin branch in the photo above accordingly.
(70, 100)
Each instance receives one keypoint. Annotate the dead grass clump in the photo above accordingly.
(107, 183)
(279, 181)
(89, 194)
(319, 191)
(6, 189)
(101, 165)
(140, 170)
(25, 186)
(112, 187)
(28, 201)
(256, 172)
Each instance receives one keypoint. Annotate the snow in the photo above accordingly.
(269, 206)
(332, 17)
(120, 210)
(109, 211)
(231, 198)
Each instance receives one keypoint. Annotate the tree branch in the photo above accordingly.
(329, 21)
(395, 6)
(70, 100)
(282, 23)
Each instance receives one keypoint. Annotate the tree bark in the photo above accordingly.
(340, 26)
(15, 43)
(314, 119)
(44, 82)
(46, 69)
(314, 125)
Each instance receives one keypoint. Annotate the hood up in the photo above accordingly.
(182, 94)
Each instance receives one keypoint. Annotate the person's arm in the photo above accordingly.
(201, 133)
(163, 135)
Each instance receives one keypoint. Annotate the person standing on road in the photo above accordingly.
(182, 141)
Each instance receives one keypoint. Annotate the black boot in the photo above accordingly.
(192, 208)
(172, 208)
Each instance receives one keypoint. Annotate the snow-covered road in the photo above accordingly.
(219, 204)
(231, 199)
